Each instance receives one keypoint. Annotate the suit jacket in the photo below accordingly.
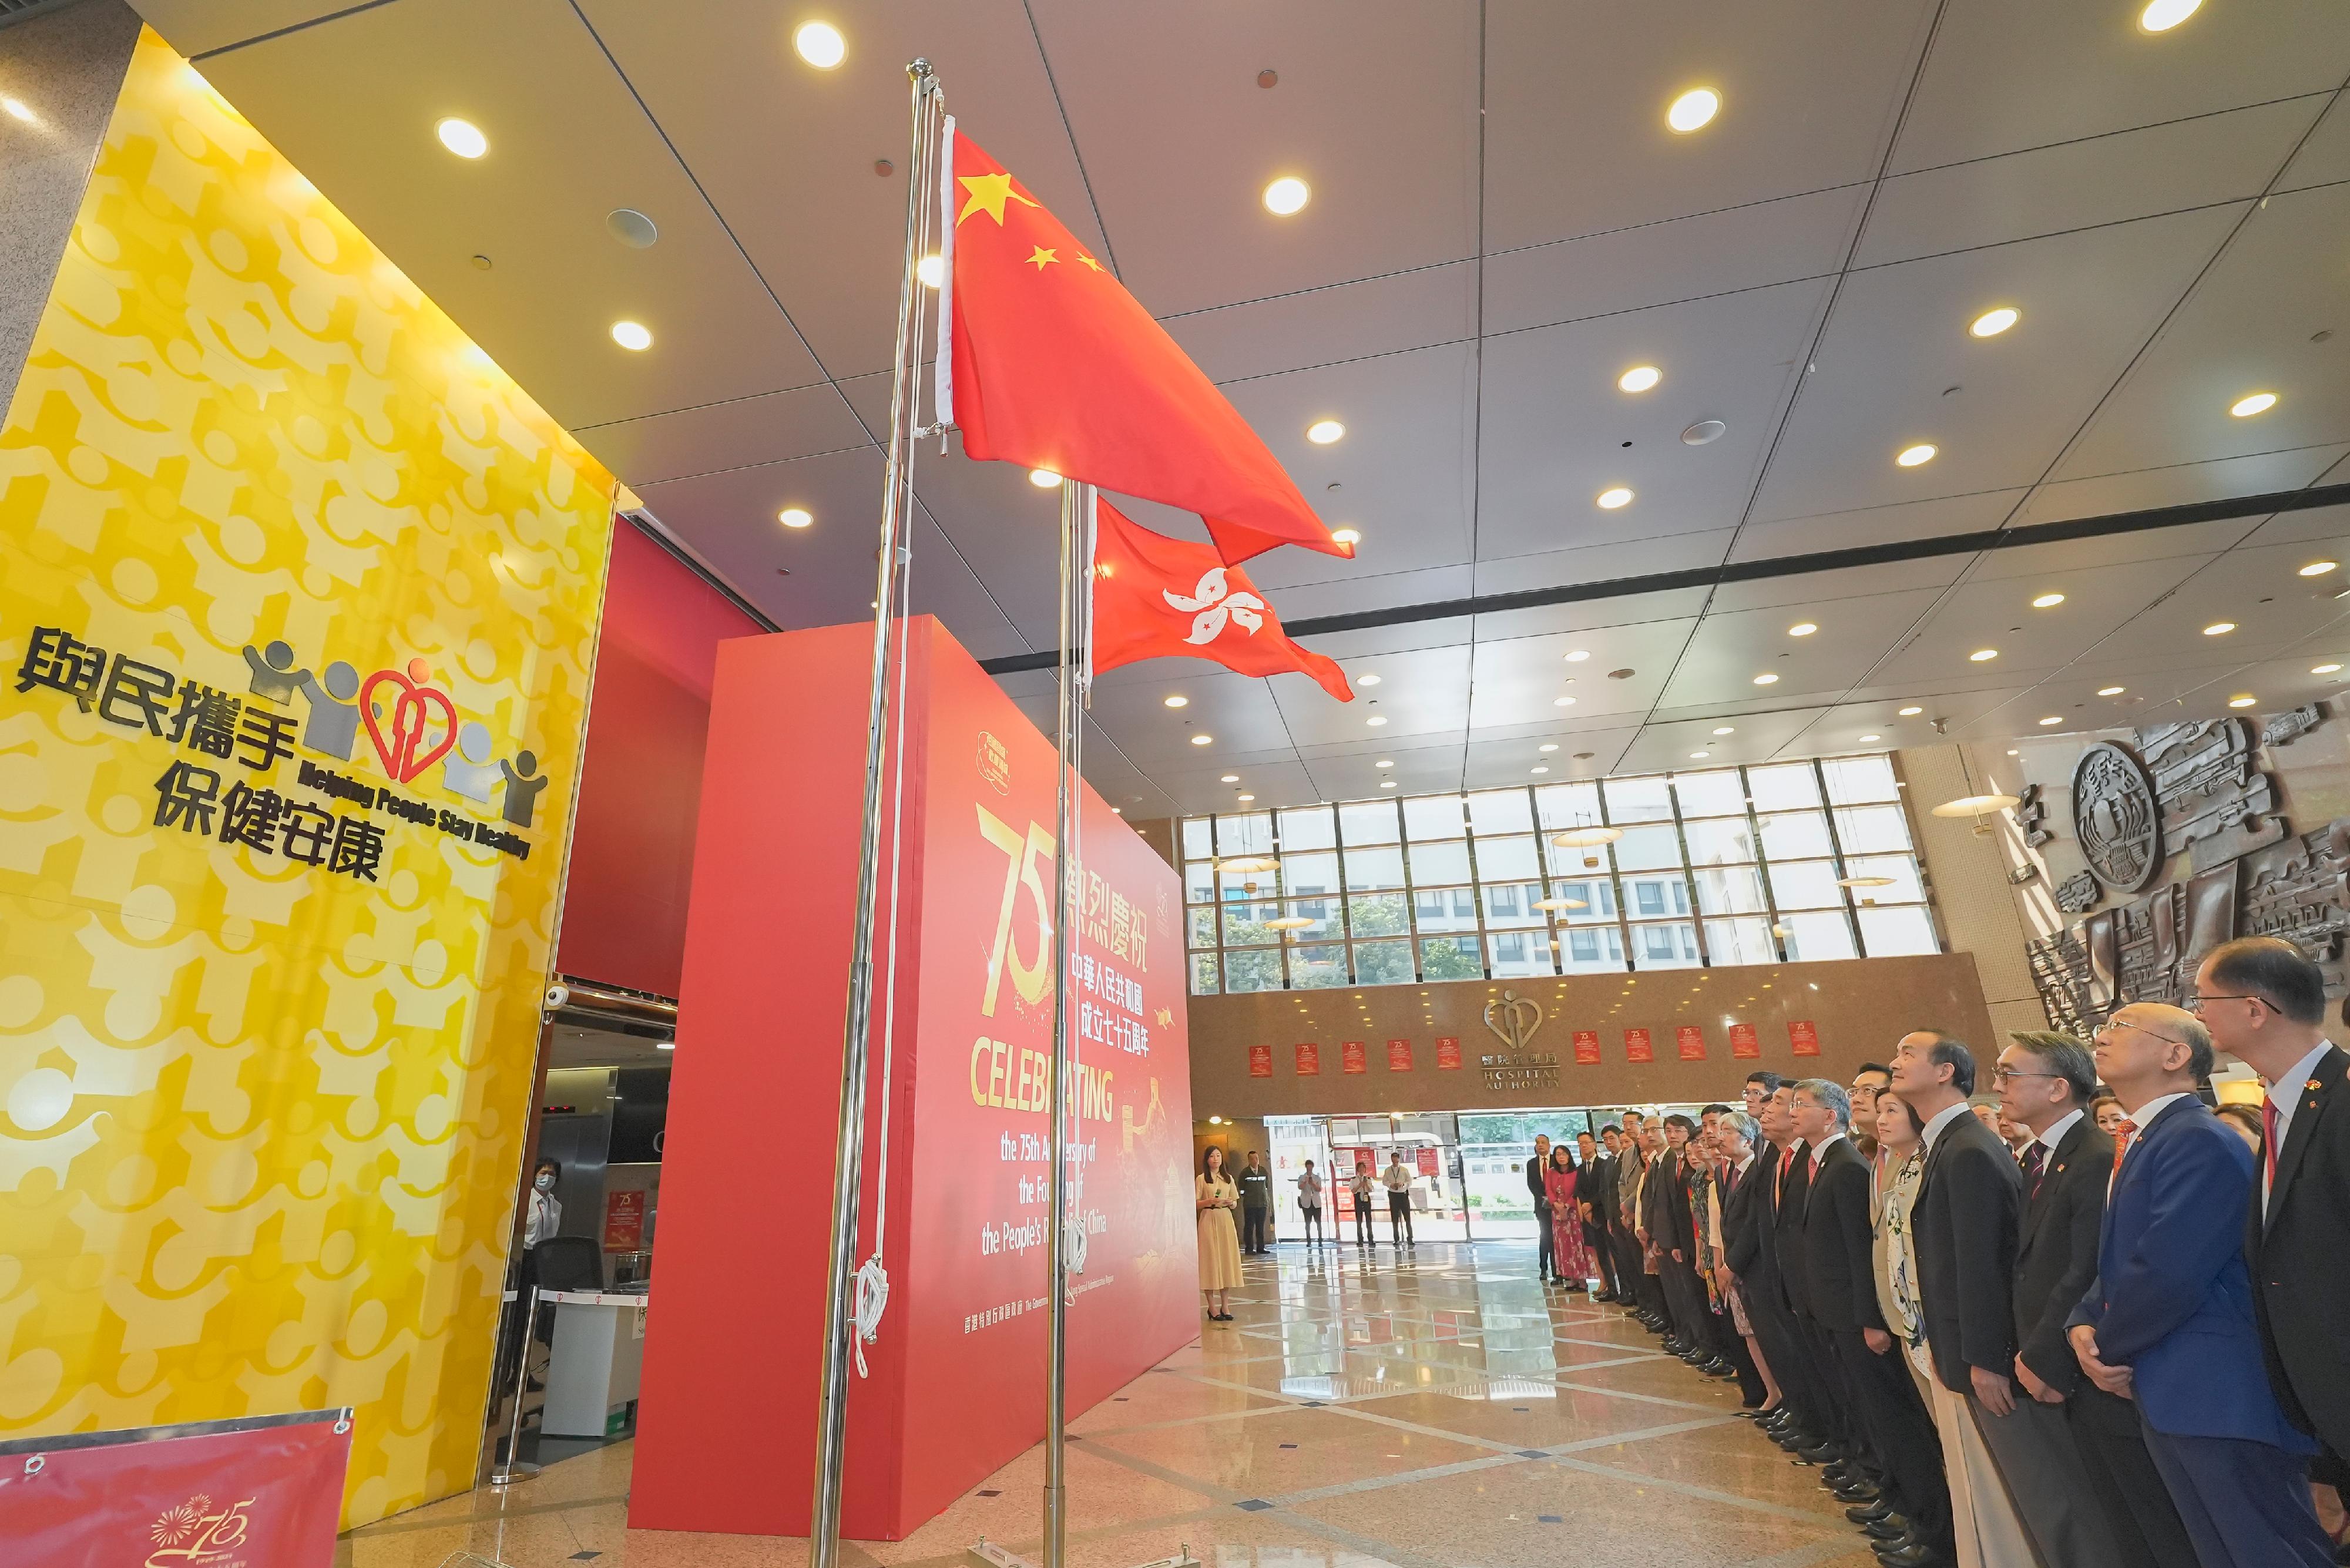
(1787, 1227)
(2299, 1250)
(1745, 1210)
(1962, 1228)
(2056, 1253)
(1656, 1200)
(1599, 1189)
(1836, 1242)
(1536, 1183)
(2172, 1300)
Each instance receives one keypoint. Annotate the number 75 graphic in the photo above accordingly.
(1021, 870)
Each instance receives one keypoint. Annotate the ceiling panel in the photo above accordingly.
(1340, 323)
(776, 428)
(195, 26)
(1733, 647)
(1529, 680)
(1421, 694)
(1863, 526)
(2177, 484)
(2010, 74)
(1575, 97)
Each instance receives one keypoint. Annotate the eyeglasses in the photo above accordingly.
(2110, 1024)
(2195, 1003)
(2003, 1075)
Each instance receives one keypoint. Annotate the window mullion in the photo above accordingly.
(1476, 891)
(1688, 878)
(1835, 854)
(1762, 864)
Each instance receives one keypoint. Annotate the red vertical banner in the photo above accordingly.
(1636, 1047)
(1804, 1036)
(624, 1220)
(1399, 1055)
(1447, 1052)
(1427, 1159)
(1309, 1060)
(1260, 1061)
(1352, 1057)
(1744, 1042)
(1586, 1047)
(1690, 1039)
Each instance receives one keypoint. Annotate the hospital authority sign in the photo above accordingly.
(223, 742)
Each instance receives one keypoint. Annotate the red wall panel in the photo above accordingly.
(640, 783)
(726, 1421)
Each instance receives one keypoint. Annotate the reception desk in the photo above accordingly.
(599, 1345)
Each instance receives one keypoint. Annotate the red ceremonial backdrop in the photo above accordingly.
(727, 1426)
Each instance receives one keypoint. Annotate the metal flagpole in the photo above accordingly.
(839, 1323)
(1077, 562)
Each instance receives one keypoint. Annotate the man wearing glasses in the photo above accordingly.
(2262, 1000)
(2168, 1322)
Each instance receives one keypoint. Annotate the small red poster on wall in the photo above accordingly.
(1352, 1057)
(1804, 1036)
(1260, 1061)
(1691, 1041)
(1586, 1047)
(1636, 1047)
(1309, 1060)
(1744, 1041)
(1399, 1055)
(624, 1221)
(1427, 1159)
(1447, 1052)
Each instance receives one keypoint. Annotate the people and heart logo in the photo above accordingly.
(413, 744)
(1215, 604)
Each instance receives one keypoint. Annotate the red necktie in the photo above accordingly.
(2122, 1134)
(2268, 1144)
(2035, 1159)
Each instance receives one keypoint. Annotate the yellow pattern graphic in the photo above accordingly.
(261, 1121)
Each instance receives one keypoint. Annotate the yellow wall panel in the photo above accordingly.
(261, 1118)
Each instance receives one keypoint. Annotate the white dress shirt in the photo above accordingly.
(2139, 1120)
(1933, 1130)
(2284, 1094)
(2057, 1131)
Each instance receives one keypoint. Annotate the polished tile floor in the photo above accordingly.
(1432, 1413)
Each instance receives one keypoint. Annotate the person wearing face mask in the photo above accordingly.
(542, 1212)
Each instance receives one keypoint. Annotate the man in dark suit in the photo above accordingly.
(1962, 1228)
(1836, 1442)
(2262, 1000)
(1797, 1424)
(1837, 1236)
(2044, 1083)
(1594, 1187)
(1545, 1238)
(2168, 1321)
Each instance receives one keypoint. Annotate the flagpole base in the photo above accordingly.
(512, 1475)
(986, 1553)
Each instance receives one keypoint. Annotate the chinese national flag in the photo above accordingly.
(1156, 598)
(1052, 364)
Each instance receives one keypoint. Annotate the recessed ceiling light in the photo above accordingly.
(931, 270)
(1640, 377)
(1726, 729)
(1177, 701)
(794, 517)
(1912, 456)
(1230, 778)
(1613, 497)
(1043, 478)
(1322, 432)
(2219, 628)
(1286, 195)
(1803, 628)
(462, 137)
(1547, 746)
(1981, 654)
(1384, 762)
(1911, 711)
(1693, 109)
(1366, 679)
(2318, 568)
(1700, 756)
(820, 44)
(2323, 668)
(631, 335)
(1117, 811)
(1767, 678)
(2258, 403)
(1386, 783)
(1347, 536)
(1538, 770)
(2047, 601)
(1578, 655)
(1991, 323)
(1202, 740)
(1244, 799)
(1562, 702)
(1865, 738)
(1376, 720)
(2242, 700)
(2111, 690)
(2052, 719)
(2161, 16)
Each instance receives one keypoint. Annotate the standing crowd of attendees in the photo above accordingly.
(2078, 1320)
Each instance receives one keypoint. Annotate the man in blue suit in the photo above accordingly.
(2169, 1323)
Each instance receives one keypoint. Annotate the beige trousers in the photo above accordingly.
(1982, 1516)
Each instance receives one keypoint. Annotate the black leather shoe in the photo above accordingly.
(1892, 1527)
(1821, 1454)
(1916, 1554)
(1869, 1512)
(1717, 1367)
(1857, 1491)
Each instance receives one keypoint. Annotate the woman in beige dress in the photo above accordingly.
(1216, 1197)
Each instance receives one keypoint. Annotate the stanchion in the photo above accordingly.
(514, 1470)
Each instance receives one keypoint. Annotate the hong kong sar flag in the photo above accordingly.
(1047, 361)
(1156, 598)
